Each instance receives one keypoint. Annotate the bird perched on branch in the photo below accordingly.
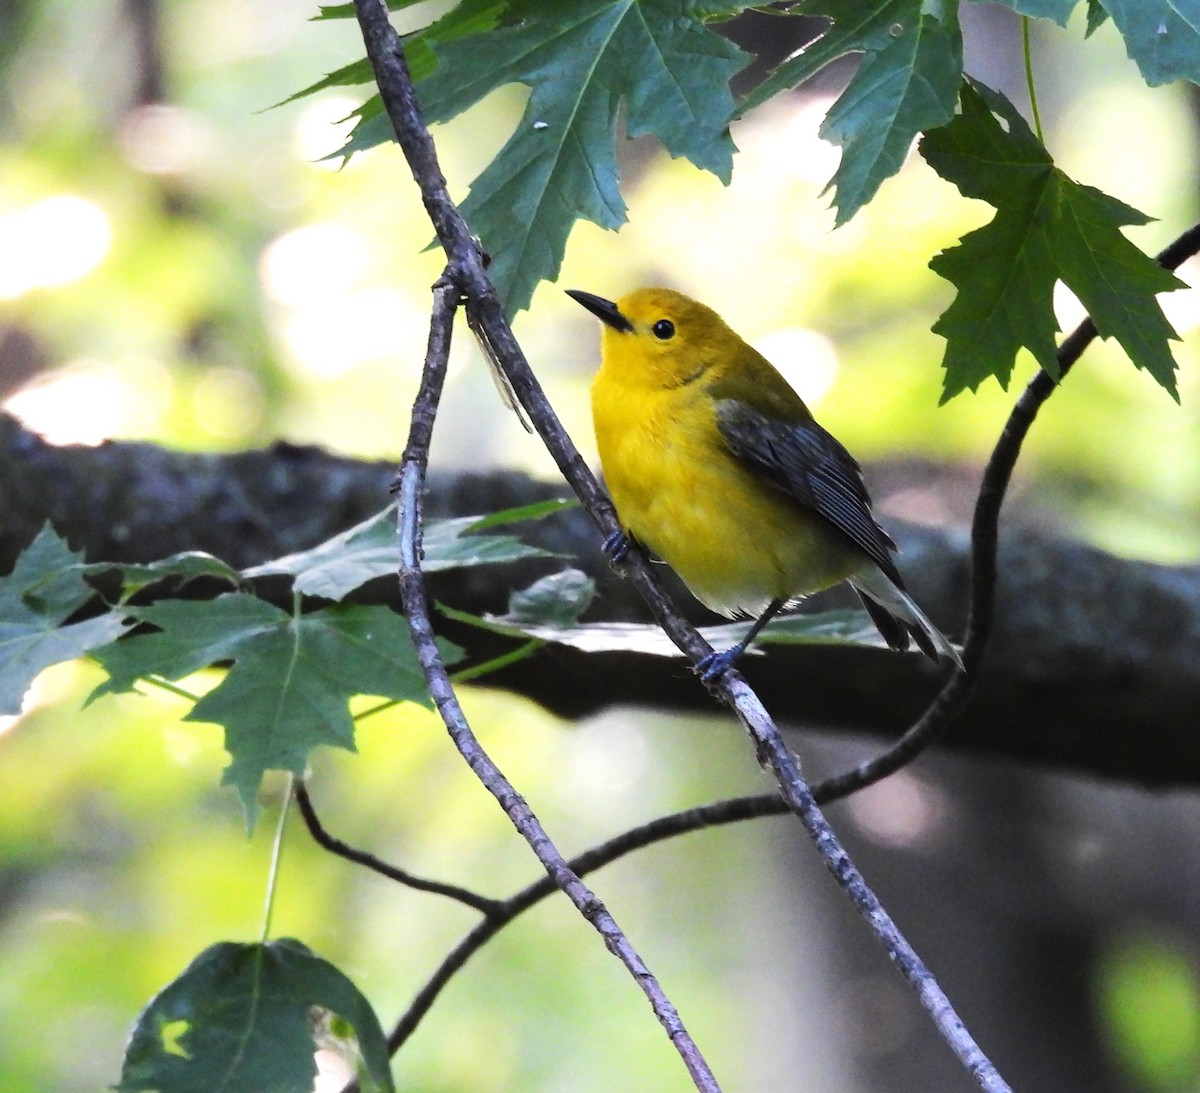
(716, 465)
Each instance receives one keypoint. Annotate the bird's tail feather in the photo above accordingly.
(898, 617)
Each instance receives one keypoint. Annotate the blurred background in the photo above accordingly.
(181, 263)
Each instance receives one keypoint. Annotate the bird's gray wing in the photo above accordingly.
(811, 466)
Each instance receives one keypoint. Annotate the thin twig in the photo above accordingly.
(664, 827)
(334, 845)
(416, 607)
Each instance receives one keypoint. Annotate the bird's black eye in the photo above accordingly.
(663, 329)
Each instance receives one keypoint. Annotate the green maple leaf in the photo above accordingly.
(335, 568)
(290, 681)
(549, 611)
(240, 1019)
(189, 565)
(907, 84)
(44, 589)
(1162, 37)
(585, 61)
(1047, 228)
(1058, 10)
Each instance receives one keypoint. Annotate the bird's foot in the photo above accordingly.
(616, 546)
(710, 667)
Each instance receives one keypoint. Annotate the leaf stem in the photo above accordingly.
(465, 675)
(474, 671)
(379, 707)
(1029, 81)
(276, 854)
(171, 688)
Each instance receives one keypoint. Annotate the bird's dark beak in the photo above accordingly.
(604, 310)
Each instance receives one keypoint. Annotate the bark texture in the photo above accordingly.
(1095, 663)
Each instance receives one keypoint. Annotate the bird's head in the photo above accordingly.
(660, 336)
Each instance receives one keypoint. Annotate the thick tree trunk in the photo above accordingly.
(1095, 663)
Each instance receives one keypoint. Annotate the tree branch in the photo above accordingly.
(325, 840)
(1059, 689)
(464, 274)
(486, 315)
(985, 540)
(410, 489)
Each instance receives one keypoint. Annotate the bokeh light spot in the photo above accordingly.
(806, 359)
(900, 811)
(53, 242)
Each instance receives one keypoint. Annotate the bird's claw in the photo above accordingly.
(714, 665)
(616, 546)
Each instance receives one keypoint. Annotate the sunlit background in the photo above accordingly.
(181, 263)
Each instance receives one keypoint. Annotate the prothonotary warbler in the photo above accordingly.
(716, 465)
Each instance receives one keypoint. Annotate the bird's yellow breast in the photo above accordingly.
(735, 540)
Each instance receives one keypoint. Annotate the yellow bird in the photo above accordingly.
(716, 465)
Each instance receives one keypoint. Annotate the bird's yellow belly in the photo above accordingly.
(736, 541)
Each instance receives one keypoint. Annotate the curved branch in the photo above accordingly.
(664, 827)
(483, 904)
(985, 539)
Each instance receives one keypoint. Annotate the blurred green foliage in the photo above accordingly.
(1148, 992)
(122, 860)
(239, 290)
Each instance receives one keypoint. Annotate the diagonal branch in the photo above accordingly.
(485, 313)
(924, 731)
(800, 799)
